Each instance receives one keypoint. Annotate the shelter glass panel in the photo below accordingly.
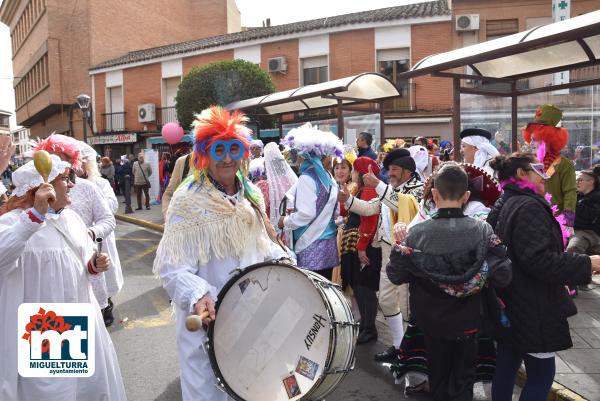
(491, 113)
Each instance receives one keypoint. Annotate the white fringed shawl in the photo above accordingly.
(202, 223)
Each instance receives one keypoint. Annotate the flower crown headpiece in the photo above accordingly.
(257, 168)
(309, 140)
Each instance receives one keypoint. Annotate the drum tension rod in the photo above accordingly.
(345, 324)
(337, 371)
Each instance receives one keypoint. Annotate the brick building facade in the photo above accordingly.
(57, 57)
(387, 40)
(55, 42)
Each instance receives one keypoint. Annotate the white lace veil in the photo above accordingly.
(280, 177)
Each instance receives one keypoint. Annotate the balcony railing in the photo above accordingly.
(405, 102)
(581, 74)
(113, 122)
(166, 115)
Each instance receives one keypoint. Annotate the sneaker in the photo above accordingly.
(147, 207)
(138, 208)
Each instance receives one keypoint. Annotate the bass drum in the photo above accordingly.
(281, 333)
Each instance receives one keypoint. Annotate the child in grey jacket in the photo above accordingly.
(447, 261)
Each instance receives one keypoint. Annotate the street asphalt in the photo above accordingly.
(144, 335)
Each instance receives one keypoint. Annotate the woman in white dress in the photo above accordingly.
(86, 200)
(46, 257)
(112, 280)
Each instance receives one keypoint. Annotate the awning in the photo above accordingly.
(158, 140)
(559, 46)
(369, 86)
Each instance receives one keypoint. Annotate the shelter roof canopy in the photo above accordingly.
(560, 45)
(369, 86)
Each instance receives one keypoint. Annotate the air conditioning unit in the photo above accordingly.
(467, 22)
(277, 64)
(146, 113)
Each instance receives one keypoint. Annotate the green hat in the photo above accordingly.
(547, 114)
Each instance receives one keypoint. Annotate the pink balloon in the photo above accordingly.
(172, 133)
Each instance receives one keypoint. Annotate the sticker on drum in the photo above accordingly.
(273, 320)
(291, 386)
(307, 368)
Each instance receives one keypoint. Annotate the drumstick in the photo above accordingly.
(194, 322)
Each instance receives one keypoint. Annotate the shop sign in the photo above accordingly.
(112, 139)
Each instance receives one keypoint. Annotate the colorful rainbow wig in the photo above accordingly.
(57, 143)
(554, 138)
(211, 125)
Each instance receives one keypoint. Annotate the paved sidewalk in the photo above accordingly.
(577, 369)
(152, 218)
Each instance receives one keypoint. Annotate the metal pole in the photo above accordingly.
(381, 124)
(514, 117)
(84, 125)
(456, 118)
(340, 119)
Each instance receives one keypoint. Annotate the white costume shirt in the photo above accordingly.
(114, 276)
(37, 265)
(303, 197)
(89, 203)
(186, 283)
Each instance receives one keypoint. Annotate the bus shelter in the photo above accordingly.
(506, 66)
(340, 101)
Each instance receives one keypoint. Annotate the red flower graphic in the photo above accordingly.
(44, 321)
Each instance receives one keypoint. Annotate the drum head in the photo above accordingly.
(271, 339)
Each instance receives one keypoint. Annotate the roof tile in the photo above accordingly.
(418, 10)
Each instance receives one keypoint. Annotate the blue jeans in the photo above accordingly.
(540, 375)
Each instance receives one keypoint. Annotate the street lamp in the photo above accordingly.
(83, 101)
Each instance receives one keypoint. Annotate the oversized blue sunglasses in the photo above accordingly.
(220, 149)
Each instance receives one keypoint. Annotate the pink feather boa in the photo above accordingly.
(539, 188)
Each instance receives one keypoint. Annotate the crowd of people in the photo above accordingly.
(473, 265)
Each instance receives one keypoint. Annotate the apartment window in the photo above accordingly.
(171, 86)
(167, 112)
(392, 63)
(33, 82)
(26, 22)
(501, 27)
(314, 70)
(114, 117)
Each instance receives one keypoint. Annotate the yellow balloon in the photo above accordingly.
(42, 163)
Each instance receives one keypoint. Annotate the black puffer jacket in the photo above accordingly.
(537, 303)
(587, 213)
(453, 250)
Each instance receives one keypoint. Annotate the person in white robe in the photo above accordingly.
(47, 257)
(477, 149)
(110, 282)
(314, 199)
(215, 224)
(86, 200)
